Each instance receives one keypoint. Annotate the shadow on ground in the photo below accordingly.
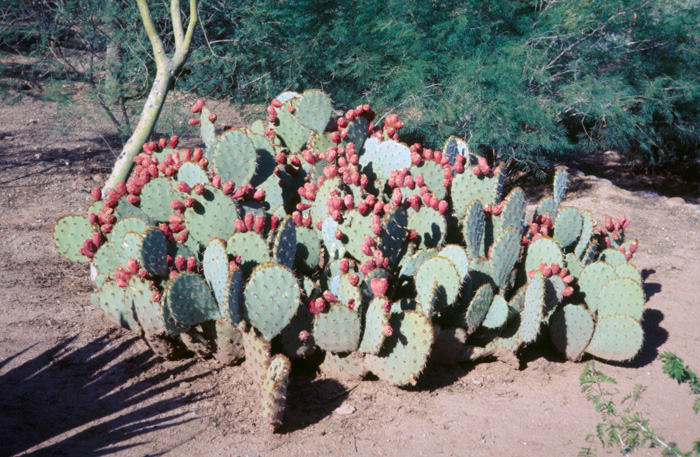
(95, 395)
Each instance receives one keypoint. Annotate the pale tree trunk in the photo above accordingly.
(167, 69)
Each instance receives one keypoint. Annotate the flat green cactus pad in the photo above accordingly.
(258, 354)
(380, 158)
(129, 247)
(571, 329)
(467, 187)
(319, 208)
(405, 353)
(69, 234)
(292, 344)
(229, 343)
(393, 235)
(458, 256)
(505, 253)
(156, 196)
(473, 227)
(560, 182)
(544, 250)
(376, 320)
(125, 209)
(314, 110)
(627, 270)
(266, 164)
(148, 313)
(272, 298)
(411, 263)
(531, 317)
(284, 250)
(215, 266)
(207, 130)
(335, 247)
(613, 257)
(433, 175)
(592, 280)
(431, 227)
(273, 389)
(252, 249)
(289, 129)
(587, 233)
(154, 252)
(308, 250)
(567, 226)
(547, 206)
(235, 157)
(357, 132)
(192, 174)
(623, 296)
(113, 301)
(497, 314)
(455, 147)
(190, 300)
(105, 259)
(437, 272)
(337, 329)
(212, 216)
(513, 214)
(356, 227)
(616, 338)
(478, 308)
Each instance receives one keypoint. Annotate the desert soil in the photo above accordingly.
(73, 384)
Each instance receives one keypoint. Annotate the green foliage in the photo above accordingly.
(674, 367)
(622, 427)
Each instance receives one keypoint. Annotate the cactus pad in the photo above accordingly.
(190, 300)
(69, 234)
(497, 314)
(473, 228)
(154, 252)
(271, 298)
(616, 338)
(458, 256)
(212, 216)
(380, 158)
(376, 320)
(571, 329)
(613, 257)
(156, 196)
(273, 389)
(308, 250)
(337, 329)
(592, 280)
(437, 272)
(621, 296)
(251, 247)
(431, 227)
(284, 250)
(505, 253)
(192, 174)
(215, 267)
(406, 351)
(567, 226)
(314, 110)
(545, 250)
(234, 157)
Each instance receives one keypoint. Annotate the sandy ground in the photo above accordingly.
(72, 384)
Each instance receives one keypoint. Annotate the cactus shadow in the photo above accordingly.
(436, 377)
(650, 288)
(90, 400)
(654, 337)
(310, 400)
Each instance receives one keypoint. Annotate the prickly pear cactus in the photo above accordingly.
(322, 237)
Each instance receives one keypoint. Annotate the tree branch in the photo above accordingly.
(177, 23)
(182, 53)
(156, 43)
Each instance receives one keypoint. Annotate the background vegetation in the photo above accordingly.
(528, 80)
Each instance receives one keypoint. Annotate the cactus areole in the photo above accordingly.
(323, 233)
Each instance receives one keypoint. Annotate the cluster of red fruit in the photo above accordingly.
(556, 270)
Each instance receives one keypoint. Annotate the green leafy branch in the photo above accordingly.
(681, 373)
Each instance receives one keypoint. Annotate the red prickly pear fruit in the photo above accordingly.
(428, 154)
(249, 219)
(364, 269)
(547, 272)
(409, 182)
(308, 157)
(351, 303)
(621, 249)
(191, 264)
(173, 141)
(396, 197)
(544, 230)
(216, 182)
(330, 171)
(259, 224)
(555, 268)
(349, 201)
(198, 189)
(564, 272)
(567, 279)
(133, 266)
(212, 117)
(354, 279)
(609, 224)
(182, 236)
(335, 137)
(180, 262)
(497, 209)
(175, 219)
(272, 117)
(442, 206)
(276, 103)
(342, 122)
(163, 143)
(531, 274)
(386, 306)
(628, 255)
(398, 125)
(329, 297)
(170, 171)
(378, 207)
(542, 266)
(121, 283)
(317, 306)
(363, 208)
(369, 241)
(477, 171)
(536, 237)
(269, 131)
(615, 236)
(291, 109)
(89, 246)
(366, 250)
(377, 230)
(338, 235)
(147, 148)
(568, 291)
(194, 121)
(390, 132)
(173, 273)
(156, 296)
(371, 264)
(240, 226)
(350, 114)
(626, 224)
(274, 220)
(189, 202)
(534, 227)
(344, 265)
(154, 146)
(259, 195)
(379, 286)
(92, 217)
(525, 241)
(416, 159)
(133, 199)
(437, 156)
(281, 158)
(271, 111)
(296, 218)
(306, 220)
(197, 154)
(388, 331)
(228, 187)
(203, 162)
(96, 194)
(412, 235)
(482, 162)
(487, 209)
(617, 225)
(295, 161)
(364, 180)
(633, 247)
(198, 105)
(304, 336)
(458, 167)
(106, 228)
